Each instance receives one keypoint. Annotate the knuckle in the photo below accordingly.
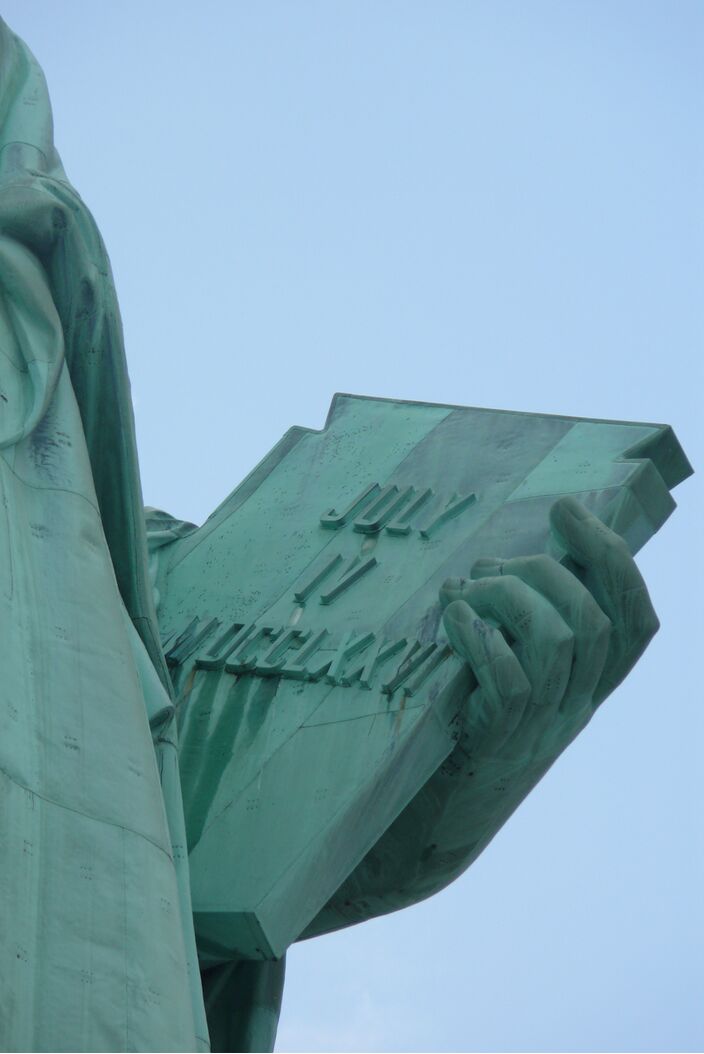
(520, 690)
(565, 639)
(650, 625)
(640, 614)
(558, 634)
(593, 620)
(601, 634)
(513, 588)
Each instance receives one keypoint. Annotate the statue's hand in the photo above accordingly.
(546, 645)
(565, 640)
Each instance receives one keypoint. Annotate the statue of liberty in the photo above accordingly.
(219, 740)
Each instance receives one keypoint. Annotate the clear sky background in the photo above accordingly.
(485, 203)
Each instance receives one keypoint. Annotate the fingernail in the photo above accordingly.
(451, 590)
(488, 565)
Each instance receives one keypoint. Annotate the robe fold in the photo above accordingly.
(97, 950)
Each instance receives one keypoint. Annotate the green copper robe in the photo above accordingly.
(97, 948)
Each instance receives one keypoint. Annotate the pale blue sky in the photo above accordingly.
(483, 203)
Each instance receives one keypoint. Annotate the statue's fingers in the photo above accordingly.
(452, 589)
(611, 575)
(496, 709)
(577, 607)
(544, 642)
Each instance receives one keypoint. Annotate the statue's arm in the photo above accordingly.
(574, 636)
(58, 307)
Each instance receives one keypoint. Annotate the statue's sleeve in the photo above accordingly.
(96, 938)
(31, 343)
(45, 225)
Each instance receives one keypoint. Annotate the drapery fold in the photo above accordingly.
(97, 950)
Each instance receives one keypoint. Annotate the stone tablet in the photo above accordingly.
(317, 689)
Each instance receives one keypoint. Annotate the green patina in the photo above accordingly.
(318, 707)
